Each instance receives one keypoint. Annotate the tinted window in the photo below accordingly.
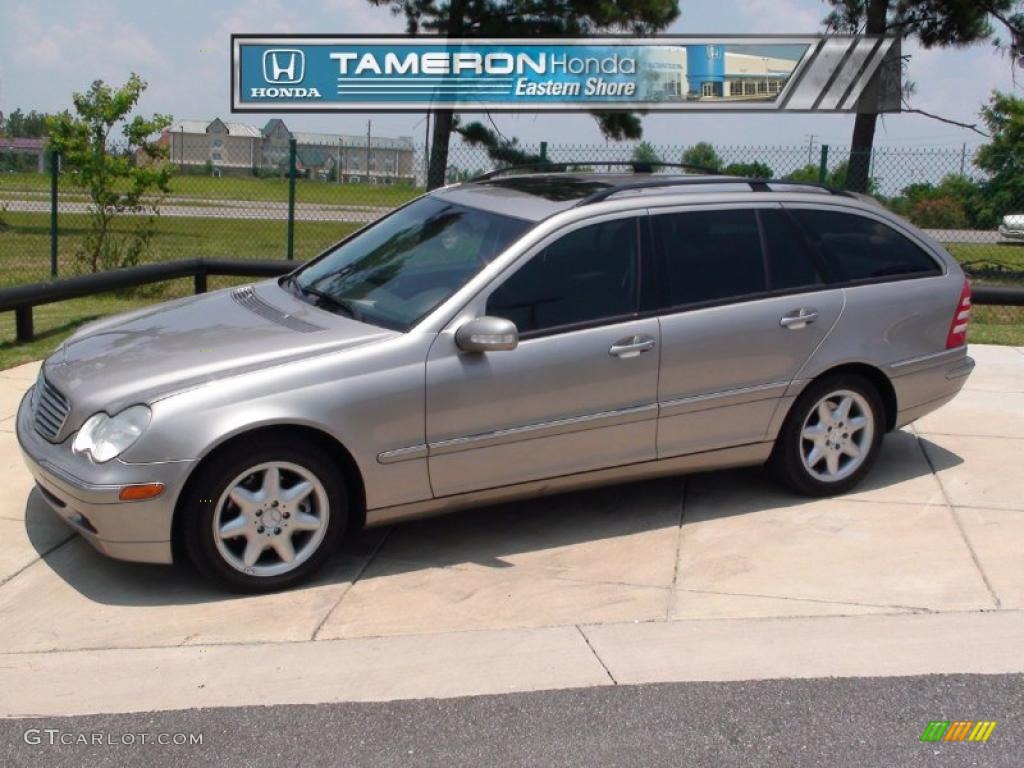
(859, 248)
(711, 255)
(586, 275)
(400, 268)
(790, 263)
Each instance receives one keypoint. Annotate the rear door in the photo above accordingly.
(745, 307)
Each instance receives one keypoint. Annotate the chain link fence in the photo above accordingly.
(272, 196)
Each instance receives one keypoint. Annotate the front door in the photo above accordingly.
(580, 391)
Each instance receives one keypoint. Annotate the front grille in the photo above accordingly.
(51, 409)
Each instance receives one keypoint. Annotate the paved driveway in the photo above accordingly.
(714, 576)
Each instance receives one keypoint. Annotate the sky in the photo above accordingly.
(50, 48)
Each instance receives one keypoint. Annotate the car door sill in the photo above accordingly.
(736, 456)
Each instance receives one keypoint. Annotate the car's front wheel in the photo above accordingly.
(831, 437)
(264, 516)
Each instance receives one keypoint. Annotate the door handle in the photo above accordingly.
(632, 346)
(799, 318)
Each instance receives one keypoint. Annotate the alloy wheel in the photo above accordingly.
(837, 435)
(271, 518)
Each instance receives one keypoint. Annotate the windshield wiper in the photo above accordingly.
(343, 305)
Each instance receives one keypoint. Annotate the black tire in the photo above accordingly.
(787, 462)
(198, 506)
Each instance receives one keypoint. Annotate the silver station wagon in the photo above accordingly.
(518, 334)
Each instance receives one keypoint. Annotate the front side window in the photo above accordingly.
(710, 255)
(401, 268)
(587, 275)
(858, 248)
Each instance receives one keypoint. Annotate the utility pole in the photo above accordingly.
(369, 125)
(426, 150)
(963, 160)
(810, 147)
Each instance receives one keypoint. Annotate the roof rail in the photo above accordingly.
(638, 166)
(756, 185)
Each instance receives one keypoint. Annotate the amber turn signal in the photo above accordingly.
(140, 492)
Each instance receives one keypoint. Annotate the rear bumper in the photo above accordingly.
(85, 495)
(928, 383)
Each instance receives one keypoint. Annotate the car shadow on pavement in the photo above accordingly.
(489, 536)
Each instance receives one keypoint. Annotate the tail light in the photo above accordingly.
(957, 336)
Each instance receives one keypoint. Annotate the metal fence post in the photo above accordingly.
(291, 198)
(823, 164)
(543, 151)
(54, 171)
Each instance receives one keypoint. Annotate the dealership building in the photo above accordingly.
(229, 148)
(712, 72)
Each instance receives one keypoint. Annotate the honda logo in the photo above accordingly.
(284, 66)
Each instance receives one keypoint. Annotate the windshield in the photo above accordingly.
(399, 269)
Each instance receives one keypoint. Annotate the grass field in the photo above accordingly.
(240, 188)
(25, 242)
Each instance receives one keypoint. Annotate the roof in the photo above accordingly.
(301, 137)
(538, 195)
(21, 143)
(201, 126)
(350, 140)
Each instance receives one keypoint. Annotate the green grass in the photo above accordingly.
(242, 188)
(25, 243)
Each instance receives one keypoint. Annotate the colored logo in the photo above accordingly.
(284, 66)
(958, 730)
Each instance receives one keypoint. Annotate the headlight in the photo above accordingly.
(104, 437)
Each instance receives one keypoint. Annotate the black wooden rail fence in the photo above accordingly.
(20, 299)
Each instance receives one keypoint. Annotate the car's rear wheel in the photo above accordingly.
(831, 437)
(265, 516)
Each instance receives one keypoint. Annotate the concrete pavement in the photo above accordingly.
(720, 576)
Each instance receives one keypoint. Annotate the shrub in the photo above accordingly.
(939, 213)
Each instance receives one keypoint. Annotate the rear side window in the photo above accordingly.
(710, 255)
(858, 248)
(790, 261)
(587, 275)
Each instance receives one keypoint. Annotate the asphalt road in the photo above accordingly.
(840, 723)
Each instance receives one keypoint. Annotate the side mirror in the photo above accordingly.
(487, 334)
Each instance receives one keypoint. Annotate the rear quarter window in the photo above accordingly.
(860, 248)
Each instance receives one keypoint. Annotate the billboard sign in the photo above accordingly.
(296, 73)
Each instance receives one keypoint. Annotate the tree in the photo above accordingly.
(526, 19)
(1003, 155)
(934, 23)
(756, 170)
(117, 182)
(20, 125)
(702, 155)
(645, 153)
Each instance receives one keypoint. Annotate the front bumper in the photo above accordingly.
(85, 495)
(1011, 233)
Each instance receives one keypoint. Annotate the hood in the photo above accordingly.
(158, 351)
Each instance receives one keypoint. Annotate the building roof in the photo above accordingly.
(201, 126)
(350, 140)
(17, 143)
(301, 137)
